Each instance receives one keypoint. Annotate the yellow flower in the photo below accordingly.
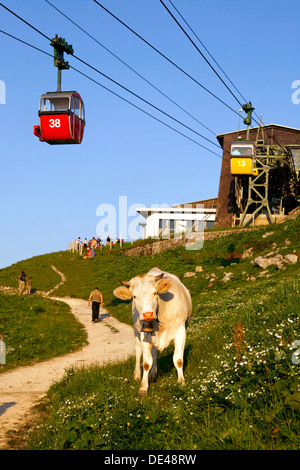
(128, 424)
(147, 417)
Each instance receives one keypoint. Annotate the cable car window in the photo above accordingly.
(77, 106)
(72, 107)
(82, 111)
(242, 151)
(61, 104)
(46, 105)
(56, 104)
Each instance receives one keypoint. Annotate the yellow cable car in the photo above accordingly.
(242, 158)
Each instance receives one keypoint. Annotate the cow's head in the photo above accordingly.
(144, 290)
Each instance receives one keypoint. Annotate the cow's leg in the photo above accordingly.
(138, 355)
(147, 364)
(179, 343)
(153, 370)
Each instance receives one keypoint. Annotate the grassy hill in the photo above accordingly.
(36, 329)
(242, 374)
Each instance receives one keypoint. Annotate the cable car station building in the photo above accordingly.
(259, 179)
(259, 183)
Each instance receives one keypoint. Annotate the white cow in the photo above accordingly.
(161, 298)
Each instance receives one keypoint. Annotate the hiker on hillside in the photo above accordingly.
(28, 286)
(96, 299)
(22, 280)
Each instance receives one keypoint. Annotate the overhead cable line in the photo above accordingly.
(203, 45)
(175, 65)
(114, 93)
(24, 21)
(26, 43)
(257, 122)
(128, 66)
(120, 85)
(145, 101)
(165, 57)
(201, 53)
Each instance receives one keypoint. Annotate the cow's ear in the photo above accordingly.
(123, 293)
(163, 286)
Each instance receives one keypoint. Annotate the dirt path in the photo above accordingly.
(22, 388)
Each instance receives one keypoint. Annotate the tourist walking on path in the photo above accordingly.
(97, 302)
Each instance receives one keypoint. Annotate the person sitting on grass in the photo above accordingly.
(88, 253)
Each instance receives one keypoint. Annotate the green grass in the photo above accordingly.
(36, 329)
(243, 388)
(226, 404)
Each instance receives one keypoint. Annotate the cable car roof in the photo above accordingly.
(243, 143)
(60, 94)
(220, 137)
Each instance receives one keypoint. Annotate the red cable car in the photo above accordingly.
(62, 118)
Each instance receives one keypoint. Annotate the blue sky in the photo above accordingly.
(50, 194)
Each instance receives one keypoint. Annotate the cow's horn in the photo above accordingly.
(125, 283)
(157, 278)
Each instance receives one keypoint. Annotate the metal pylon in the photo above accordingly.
(258, 192)
(268, 159)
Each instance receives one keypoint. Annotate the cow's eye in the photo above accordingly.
(154, 293)
(134, 296)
